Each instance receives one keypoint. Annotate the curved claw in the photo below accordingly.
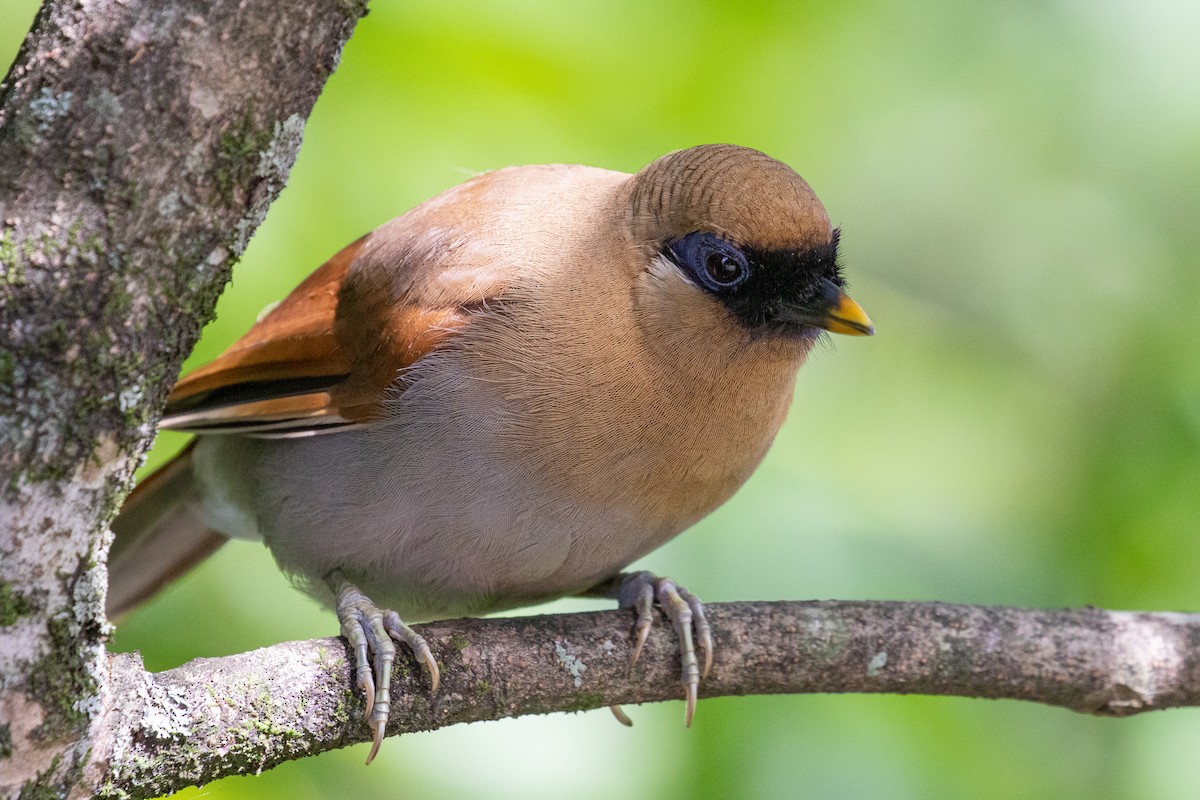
(643, 604)
(367, 684)
(371, 631)
(639, 592)
(703, 629)
(397, 630)
(351, 619)
(689, 709)
(679, 611)
(377, 741)
(369, 696)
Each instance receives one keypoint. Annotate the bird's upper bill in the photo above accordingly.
(833, 310)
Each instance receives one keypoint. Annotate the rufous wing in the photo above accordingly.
(323, 359)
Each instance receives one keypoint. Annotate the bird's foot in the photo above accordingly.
(639, 592)
(371, 631)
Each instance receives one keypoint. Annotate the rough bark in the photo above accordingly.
(140, 145)
(249, 712)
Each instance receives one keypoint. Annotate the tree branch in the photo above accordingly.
(249, 712)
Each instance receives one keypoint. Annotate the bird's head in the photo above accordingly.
(742, 230)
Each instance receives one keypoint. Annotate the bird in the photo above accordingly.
(505, 395)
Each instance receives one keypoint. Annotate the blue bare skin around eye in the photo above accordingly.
(691, 251)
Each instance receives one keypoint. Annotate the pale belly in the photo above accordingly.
(422, 520)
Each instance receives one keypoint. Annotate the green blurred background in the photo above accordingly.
(1017, 186)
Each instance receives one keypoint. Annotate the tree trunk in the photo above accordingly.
(140, 145)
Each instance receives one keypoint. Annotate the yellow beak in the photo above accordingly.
(846, 316)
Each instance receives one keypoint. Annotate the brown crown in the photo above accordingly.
(739, 193)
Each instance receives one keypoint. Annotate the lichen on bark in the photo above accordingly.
(116, 237)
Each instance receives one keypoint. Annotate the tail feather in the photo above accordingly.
(157, 536)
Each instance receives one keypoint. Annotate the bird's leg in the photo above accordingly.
(371, 631)
(638, 592)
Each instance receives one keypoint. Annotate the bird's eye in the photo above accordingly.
(723, 269)
(714, 263)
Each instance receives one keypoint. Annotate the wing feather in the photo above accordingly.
(322, 360)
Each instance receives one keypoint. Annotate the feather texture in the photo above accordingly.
(322, 360)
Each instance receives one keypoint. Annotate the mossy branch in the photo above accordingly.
(245, 713)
